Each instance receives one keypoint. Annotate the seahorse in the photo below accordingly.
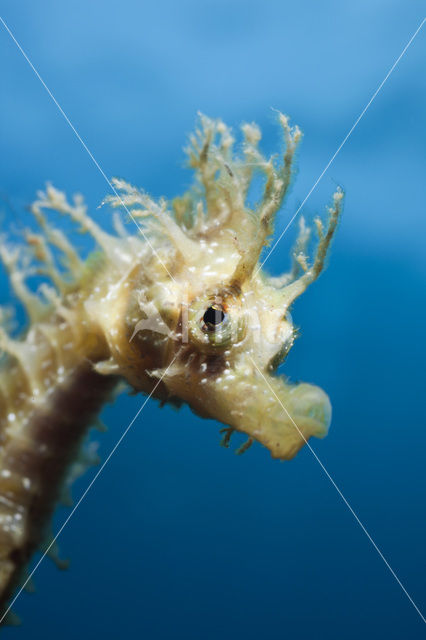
(180, 309)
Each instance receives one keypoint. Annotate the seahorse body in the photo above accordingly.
(180, 310)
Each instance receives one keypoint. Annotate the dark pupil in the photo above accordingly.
(213, 316)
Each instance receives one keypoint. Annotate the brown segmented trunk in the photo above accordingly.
(35, 465)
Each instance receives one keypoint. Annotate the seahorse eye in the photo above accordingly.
(213, 317)
(213, 324)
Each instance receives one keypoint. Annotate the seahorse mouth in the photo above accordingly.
(279, 415)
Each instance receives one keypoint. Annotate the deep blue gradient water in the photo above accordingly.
(179, 538)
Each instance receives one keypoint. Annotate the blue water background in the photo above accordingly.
(179, 538)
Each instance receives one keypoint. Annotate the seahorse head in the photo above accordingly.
(201, 315)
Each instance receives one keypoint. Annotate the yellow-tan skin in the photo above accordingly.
(136, 311)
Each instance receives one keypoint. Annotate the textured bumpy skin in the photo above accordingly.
(179, 308)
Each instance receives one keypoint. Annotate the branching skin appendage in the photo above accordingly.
(180, 309)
